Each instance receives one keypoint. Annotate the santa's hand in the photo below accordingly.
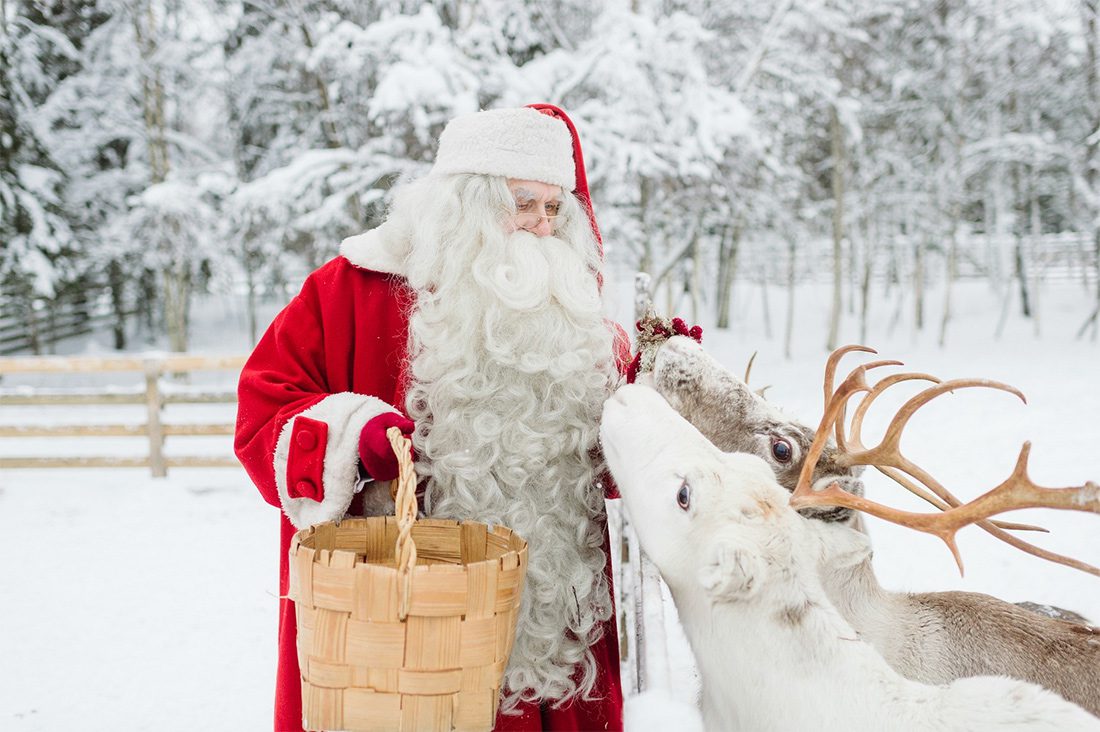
(375, 451)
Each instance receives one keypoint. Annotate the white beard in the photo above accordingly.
(511, 361)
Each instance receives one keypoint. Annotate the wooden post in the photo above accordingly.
(645, 578)
(156, 430)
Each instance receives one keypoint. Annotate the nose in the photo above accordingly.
(543, 227)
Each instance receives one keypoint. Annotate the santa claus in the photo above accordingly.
(472, 319)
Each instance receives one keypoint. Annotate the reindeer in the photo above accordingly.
(931, 637)
(742, 565)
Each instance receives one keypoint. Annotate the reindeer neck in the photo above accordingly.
(906, 632)
(865, 604)
(785, 659)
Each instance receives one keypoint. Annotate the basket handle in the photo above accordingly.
(405, 511)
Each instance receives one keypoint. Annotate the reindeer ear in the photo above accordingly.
(731, 569)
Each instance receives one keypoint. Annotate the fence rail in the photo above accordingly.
(154, 396)
(36, 324)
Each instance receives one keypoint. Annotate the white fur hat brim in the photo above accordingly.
(518, 143)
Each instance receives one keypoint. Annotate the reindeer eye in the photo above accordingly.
(683, 496)
(781, 450)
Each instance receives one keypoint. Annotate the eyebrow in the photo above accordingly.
(525, 194)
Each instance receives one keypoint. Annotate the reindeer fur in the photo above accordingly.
(773, 651)
(932, 637)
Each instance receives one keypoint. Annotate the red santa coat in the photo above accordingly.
(334, 358)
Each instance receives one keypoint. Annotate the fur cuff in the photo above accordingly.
(344, 414)
(380, 250)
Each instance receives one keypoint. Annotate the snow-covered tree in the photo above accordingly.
(40, 257)
(887, 145)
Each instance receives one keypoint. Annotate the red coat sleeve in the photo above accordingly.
(329, 363)
(283, 377)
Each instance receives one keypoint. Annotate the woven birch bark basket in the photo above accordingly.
(404, 624)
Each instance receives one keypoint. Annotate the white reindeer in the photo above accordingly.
(933, 637)
(773, 652)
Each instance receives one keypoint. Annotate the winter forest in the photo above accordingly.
(155, 150)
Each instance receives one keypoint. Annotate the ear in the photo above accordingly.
(732, 569)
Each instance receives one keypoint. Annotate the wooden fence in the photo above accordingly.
(153, 396)
(35, 324)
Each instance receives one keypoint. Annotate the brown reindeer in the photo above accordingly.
(932, 637)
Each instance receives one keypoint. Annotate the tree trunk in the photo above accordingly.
(839, 163)
(30, 317)
(1036, 243)
(764, 302)
(949, 273)
(250, 279)
(1006, 304)
(891, 277)
(152, 92)
(728, 246)
(177, 297)
(791, 277)
(1096, 311)
(1019, 268)
(152, 100)
(1021, 277)
(644, 195)
(901, 297)
(1001, 224)
(148, 302)
(1091, 11)
(854, 252)
(696, 265)
(918, 284)
(327, 117)
(117, 283)
(865, 289)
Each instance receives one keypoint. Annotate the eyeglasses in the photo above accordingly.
(531, 221)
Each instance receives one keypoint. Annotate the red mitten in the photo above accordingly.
(374, 447)
(695, 332)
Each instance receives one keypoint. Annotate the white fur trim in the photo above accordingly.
(382, 250)
(345, 414)
(516, 143)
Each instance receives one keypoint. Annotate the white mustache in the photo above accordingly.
(530, 272)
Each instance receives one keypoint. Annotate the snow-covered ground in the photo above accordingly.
(134, 603)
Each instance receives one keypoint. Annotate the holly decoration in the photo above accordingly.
(652, 332)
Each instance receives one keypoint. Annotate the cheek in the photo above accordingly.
(673, 545)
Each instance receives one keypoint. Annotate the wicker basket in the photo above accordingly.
(404, 624)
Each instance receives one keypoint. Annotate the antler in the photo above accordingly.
(1017, 491)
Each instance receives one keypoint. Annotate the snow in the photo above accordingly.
(658, 711)
(138, 603)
